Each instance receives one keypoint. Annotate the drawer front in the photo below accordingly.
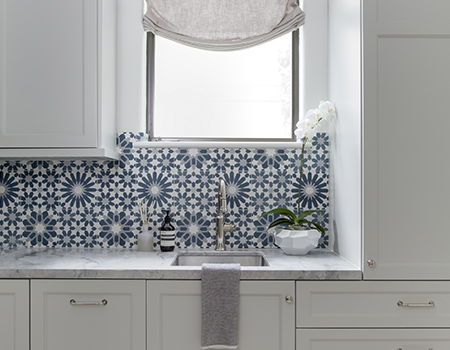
(372, 339)
(366, 304)
(76, 314)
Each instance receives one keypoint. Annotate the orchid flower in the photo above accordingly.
(306, 129)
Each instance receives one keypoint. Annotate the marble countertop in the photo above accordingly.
(131, 264)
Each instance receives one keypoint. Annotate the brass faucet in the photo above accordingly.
(221, 227)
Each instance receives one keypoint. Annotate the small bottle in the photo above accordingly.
(168, 233)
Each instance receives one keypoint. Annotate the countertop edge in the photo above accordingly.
(57, 263)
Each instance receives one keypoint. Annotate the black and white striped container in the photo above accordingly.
(167, 234)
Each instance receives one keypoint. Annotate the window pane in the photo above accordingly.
(238, 94)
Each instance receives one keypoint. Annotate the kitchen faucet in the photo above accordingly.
(221, 227)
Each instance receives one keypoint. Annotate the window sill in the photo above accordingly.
(215, 144)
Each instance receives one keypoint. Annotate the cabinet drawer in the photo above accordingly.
(77, 314)
(363, 304)
(372, 339)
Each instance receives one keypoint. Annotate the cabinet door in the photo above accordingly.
(406, 143)
(14, 315)
(373, 339)
(266, 320)
(88, 315)
(48, 73)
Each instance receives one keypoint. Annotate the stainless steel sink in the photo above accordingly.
(213, 257)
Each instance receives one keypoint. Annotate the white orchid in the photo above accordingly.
(314, 114)
(327, 108)
(313, 119)
(306, 129)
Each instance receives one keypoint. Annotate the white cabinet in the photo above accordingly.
(88, 315)
(379, 304)
(14, 314)
(373, 339)
(266, 320)
(57, 78)
(373, 315)
(406, 143)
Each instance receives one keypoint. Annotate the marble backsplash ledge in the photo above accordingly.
(59, 203)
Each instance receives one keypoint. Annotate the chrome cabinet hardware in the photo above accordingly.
(289, 299)
(402, 304)
(371, 263)
(402, 349)
(79, 303)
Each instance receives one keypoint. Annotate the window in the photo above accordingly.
(250, 94)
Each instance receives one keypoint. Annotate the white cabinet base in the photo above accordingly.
(373, 339)
(87, 322)
(14, 314)
(266, 321)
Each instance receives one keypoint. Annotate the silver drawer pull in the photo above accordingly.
(79, 303)
(402, 304)
(402, 349)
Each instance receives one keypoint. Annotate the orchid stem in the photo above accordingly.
(301, 174)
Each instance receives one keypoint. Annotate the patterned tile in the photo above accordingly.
(94, 203)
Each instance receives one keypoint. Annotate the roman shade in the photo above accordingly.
(222, 25)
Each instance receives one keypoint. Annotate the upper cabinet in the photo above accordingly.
(57, 71)
(406, 55)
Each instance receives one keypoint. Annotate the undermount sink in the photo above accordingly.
(213, 257)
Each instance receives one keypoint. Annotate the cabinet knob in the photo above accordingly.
(371, 263)
(289, 299)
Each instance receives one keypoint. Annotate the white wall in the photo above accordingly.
(130, 66)
(313, 55)
(344, 88)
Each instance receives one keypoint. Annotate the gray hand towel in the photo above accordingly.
(220, 305)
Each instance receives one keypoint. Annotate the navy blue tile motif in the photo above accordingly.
(93, 204)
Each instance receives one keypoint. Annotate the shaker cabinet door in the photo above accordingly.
(48, 73)
(14, 314)
(406, 143)
(88, 315)
(266, 320)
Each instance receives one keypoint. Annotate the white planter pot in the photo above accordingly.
(296, 242)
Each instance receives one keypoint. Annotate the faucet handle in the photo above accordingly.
(229, 227)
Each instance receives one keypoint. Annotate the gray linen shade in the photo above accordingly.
(222, 25)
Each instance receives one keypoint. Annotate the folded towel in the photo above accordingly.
(220, 305)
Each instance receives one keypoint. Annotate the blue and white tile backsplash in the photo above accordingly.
(93, 204)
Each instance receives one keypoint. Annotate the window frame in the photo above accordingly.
(150, 98)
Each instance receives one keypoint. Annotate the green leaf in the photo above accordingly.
(306, 213)
(317, 226)
(280, 221)
(281, 211)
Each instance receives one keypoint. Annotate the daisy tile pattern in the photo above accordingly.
(93, 204)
